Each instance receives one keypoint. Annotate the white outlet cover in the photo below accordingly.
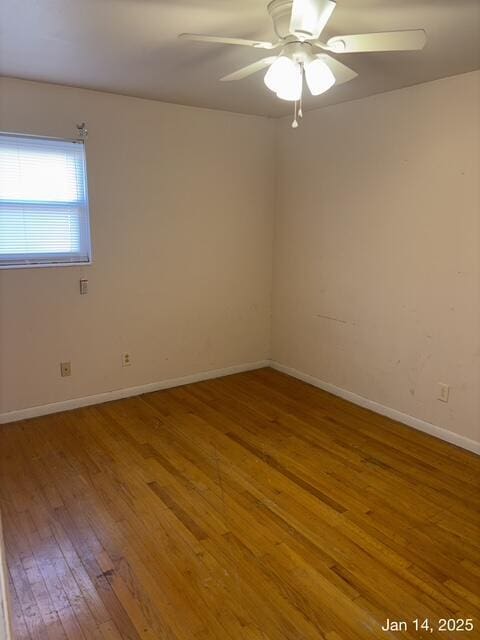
(65, 369)
(443, 392)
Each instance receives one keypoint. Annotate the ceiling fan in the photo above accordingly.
(299, 25)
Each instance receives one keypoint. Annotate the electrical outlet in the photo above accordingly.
(126, 360)
(65, 369)
(443, 392)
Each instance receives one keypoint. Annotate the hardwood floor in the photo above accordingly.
(253, 507)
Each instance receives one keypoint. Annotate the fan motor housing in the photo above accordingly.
(281, 13)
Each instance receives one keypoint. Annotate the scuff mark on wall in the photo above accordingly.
(333, 319)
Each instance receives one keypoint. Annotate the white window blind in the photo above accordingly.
(43, 202)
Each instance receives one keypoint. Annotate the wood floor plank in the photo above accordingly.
(252, 507)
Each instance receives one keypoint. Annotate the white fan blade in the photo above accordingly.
(258, 44)
(309, 17)
(248, 70)
(341, 72)
(387, 41)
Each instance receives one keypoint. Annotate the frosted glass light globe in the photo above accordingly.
(284, 78)
(319, 77)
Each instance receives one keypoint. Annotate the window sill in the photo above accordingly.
(37, 265)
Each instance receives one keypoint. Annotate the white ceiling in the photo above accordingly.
(130, 47)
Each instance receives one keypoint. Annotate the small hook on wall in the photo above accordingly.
(82, 130)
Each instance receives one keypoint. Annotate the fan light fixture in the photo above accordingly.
(299, 25)
(285, 77)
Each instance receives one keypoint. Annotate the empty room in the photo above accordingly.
(239, 319)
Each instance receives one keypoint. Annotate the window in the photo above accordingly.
(43, 202)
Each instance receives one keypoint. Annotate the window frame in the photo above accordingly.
(48, 260)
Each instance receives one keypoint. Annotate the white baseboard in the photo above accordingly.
(410, 421)
(117, 394)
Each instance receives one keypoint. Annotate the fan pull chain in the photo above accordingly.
(298, 108)
(295, 121)
(300, 111)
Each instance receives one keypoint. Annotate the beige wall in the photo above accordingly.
(181, 212)
(376, 269)
(377, 274)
